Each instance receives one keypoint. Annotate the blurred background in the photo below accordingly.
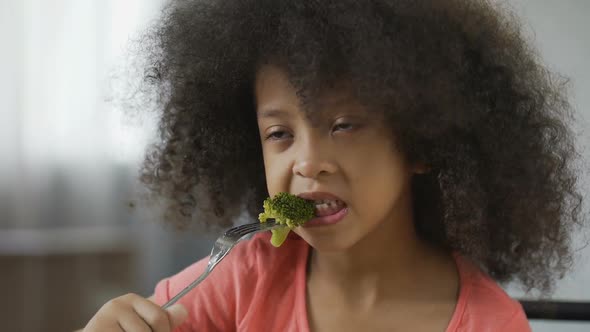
(71, 234)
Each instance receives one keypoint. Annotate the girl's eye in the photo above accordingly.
(343, 127)
(278, 135)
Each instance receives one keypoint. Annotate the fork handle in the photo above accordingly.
(187, 288)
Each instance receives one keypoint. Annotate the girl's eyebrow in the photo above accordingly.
(272, 113)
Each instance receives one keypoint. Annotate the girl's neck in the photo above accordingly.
(387, 261)
(378, 254)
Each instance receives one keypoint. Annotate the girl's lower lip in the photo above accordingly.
(327, 220)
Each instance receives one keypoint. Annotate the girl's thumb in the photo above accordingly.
(177, 314)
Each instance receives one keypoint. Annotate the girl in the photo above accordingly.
(434, 143)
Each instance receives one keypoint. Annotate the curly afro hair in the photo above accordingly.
(462, 90)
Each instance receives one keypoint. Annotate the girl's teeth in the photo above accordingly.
(326, 203)
(326, 207)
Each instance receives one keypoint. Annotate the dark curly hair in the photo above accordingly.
(462, 89)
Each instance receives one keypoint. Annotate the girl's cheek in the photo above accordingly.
(276, 178)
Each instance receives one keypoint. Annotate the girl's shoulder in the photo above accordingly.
(254, 276)
(483, 305)
(256, 260)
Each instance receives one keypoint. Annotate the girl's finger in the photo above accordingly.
(132, 322)
(153, 315)
(177, 314)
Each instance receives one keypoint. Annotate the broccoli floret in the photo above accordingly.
(288, 210)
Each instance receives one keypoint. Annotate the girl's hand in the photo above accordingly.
(133, 313)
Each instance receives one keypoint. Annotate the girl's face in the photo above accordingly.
(344, 155)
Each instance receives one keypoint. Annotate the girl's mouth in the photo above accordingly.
(328, 212)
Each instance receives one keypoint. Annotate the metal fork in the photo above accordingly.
(223, 245)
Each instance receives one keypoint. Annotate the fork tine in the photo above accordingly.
(247, 228)
(242, 229)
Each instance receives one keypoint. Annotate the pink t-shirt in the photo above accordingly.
(262, 288)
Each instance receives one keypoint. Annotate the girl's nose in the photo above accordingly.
(311, 162)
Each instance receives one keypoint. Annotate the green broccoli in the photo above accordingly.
(288, 210)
